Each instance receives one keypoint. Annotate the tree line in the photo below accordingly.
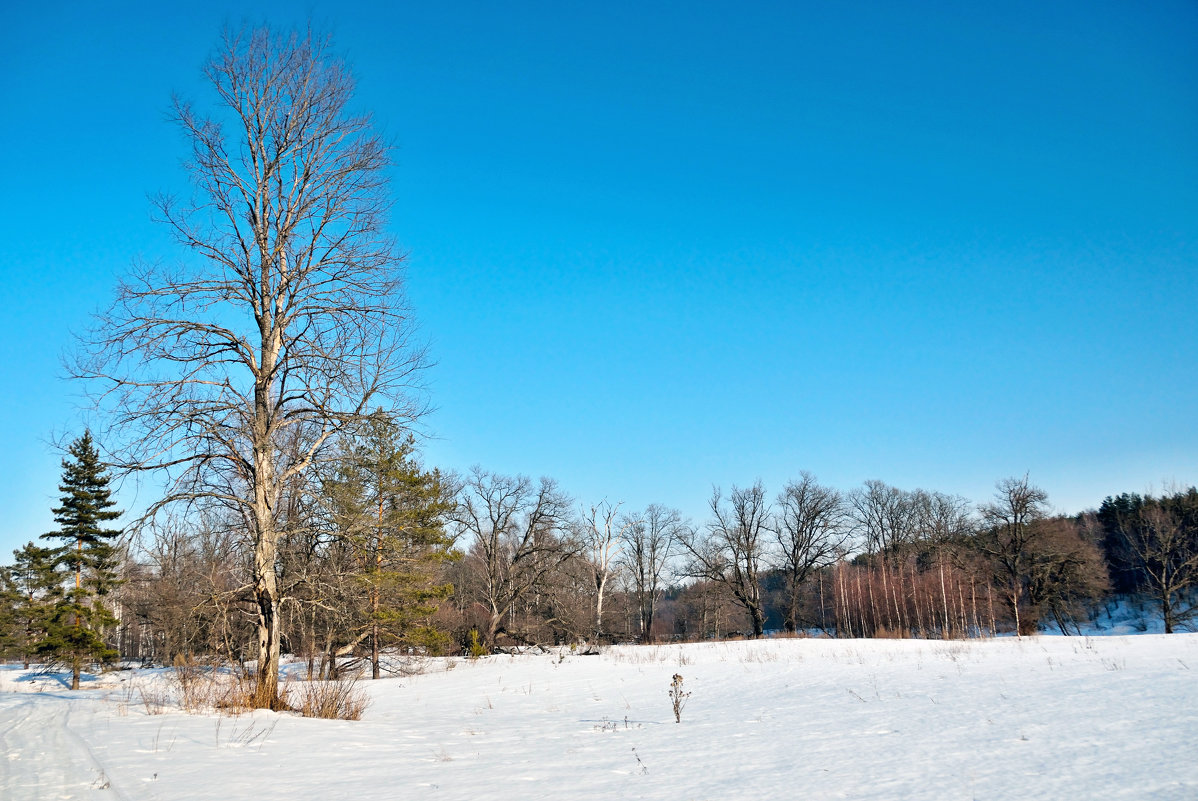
(379, 555)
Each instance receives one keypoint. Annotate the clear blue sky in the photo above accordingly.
(656, 247)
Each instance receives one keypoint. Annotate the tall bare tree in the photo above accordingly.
(518, 532)
(812, 529)
(886, 516)
(233, 372)
(887, 520)
(1041, 563)
(1010, 538)
(601, 534)
(733, 550)
(649, 541)
(944, 522)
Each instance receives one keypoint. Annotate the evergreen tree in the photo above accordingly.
(87, 553)
(392, 515)
(10, 640)
(31, 589)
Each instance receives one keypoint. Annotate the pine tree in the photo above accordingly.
(10, 628)
(392, 514)
(31, 589)
(87, 554)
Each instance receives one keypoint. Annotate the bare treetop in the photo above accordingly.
(295, 302)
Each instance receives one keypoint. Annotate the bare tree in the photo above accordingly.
(944, 522)
(887, 520)
(601, 534)
(1066, 572)
(1162, 536)
(1041, 565)
(186, 593)
(649, 540)
(517, 530)
(941, 519)
(234, 372)
(885, 515)
(733, 550)
(1009, 539)
(812, 529)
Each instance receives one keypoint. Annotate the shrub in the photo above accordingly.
(476, 648)
(340, 699)
(204, 687)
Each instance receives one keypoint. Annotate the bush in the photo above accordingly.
(203, 687)
(340, 699)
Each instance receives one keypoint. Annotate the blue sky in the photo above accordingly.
(657, 247)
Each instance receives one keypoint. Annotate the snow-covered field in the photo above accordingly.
(1044, 717)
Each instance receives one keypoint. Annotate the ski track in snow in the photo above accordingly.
(45, 757)
(1041, 717)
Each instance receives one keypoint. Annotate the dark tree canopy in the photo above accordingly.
(86, 507)
(76, 622)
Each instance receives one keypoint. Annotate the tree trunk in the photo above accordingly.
(600, 587)
(873, 604)
(944, 599)
(861, 602)
(973, 602)
(266, 592)
(375, 661)
(375, 601)
(266, 691)
(886, 594)
(646, 622)
(758, 620)
(375, 604)
(493, 626)
(791, 624)
(266, 597)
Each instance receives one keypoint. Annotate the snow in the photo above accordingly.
(1043, 717)
(1123, 614)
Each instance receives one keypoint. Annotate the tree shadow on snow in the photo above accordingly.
(58, 676)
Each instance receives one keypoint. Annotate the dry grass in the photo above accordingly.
(155, 699)
(198, 687)
(760, 654)
(205, 687)
(884, 633)
(342, 699)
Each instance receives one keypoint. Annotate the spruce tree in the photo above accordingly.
(87, 554)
